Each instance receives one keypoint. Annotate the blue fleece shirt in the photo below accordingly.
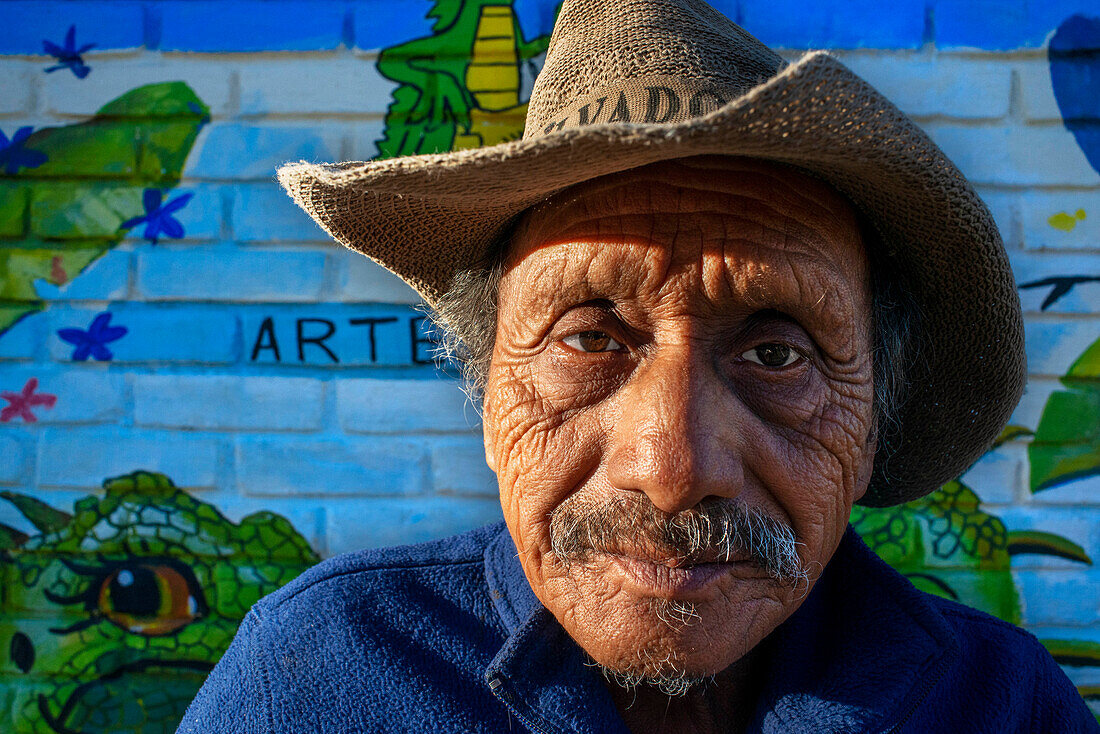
(448, 637)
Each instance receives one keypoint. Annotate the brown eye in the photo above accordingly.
(592, 341)
(149, 599)
(771, 355)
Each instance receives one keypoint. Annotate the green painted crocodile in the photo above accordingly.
(92, 180)
(113, 615)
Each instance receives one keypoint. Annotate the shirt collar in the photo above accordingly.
(856, 656)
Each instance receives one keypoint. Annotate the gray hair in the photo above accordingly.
(466, 318)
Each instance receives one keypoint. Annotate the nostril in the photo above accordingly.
(22, 651)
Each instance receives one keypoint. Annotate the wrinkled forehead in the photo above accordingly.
(771, 223)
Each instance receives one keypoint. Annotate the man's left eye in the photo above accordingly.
(592, 341)
(772, 355)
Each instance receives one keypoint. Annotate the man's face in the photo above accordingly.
(686, 341)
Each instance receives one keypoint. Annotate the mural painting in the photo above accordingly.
(113, 613)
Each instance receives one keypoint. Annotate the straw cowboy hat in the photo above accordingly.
(632, 82)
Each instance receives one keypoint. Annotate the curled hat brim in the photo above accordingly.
(424, 217)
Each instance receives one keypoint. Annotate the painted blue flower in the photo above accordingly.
(158, 217)
(93, 341)
(14, 156)
(69, 55)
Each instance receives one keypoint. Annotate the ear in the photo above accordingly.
(866, 464)
(488, 436)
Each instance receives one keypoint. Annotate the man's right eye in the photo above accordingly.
(592, 341)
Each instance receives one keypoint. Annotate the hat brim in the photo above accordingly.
(424, 217)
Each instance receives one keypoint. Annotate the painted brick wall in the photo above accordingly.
(260, 368)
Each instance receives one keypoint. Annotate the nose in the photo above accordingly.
(675, 438)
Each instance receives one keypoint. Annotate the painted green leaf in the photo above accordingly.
(59, 217)
(1011, 433)
(1080, 653)
(11, 538)
(1067, 442)
(1041, 543)
(41, 515)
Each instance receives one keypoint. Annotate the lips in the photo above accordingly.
(675, 578)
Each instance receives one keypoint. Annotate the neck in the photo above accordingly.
(724, 706)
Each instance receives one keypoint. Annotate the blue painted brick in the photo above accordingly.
(204, 25)
(271, 465)
(84, 394)
(362, 280)
(379, 24)
(458, 467)
(109, 25)
(382, 523)
(264, 213)
(239, 151)
(432, 405)
(156, 333)
(201, 217)
(84, 457)
(1033, 268)
(1059, 597)
(16, 448)
(105, 278)
(221, 273)
(856, 24)
(1021, 155)
(1002, 24)
(1078, 524)
(1052, 346)
(228, 402)
(23, 339)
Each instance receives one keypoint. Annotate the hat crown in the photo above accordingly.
(643, 61)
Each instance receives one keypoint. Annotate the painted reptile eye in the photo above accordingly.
(150, 599)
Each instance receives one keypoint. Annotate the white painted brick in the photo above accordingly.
(1054, 344)
(1046, 591)
(209, 78)
(225, 273)
(306, 514)
(999, 476)
(228, 402)
(382, 523)
(1078, 493)
(365, 137)
(1034, 267)
(941, 86)
(1003, 205)
(1036, 92)
(16, 95)
(242, 151)
(1046, 155)
(17, 452)
(396, 406)
(361, 280)
(1030, 409)
(314, 85)
(328, 467)
(84, 457)
(1061, 220)
(458, 467)
(85, 393)
(1080, 525)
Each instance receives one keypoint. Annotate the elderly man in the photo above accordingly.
(710, 301)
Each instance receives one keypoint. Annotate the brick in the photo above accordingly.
(1053, 344)
(84, 457)
(1077, 524)
(314, 86)
(943, 86)
(246, 25)
(1036, 393)
(16, 448)
(365, 138)
(1047, 591)
(264, 213)
(1032, 268)
(239, 151)
(458, 467)
(857, 24)
(180, 334)
(1003, 205)
(23, 339)
(400, 406)
(1036, 92)
(378, 24)
(83, 210)
(106, 278)
(68, 95)
(201, 217)
(999, 25)
(1061, 220)
(109, 25)
(303, 467)
(84, 395)
(219, 273)
(228, 402)
(306, 514)
(18, 91)
(1032, 156)
(1000, 476)
(13, 213)
(382, 523)
(1078, 493)
(361, 280)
